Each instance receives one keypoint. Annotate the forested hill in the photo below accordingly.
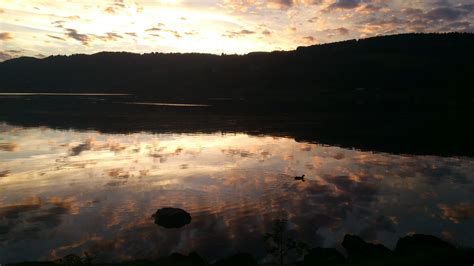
(438, 66)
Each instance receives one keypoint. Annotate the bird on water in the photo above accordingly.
(299, 178)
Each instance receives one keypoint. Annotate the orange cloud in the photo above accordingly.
(6, 36)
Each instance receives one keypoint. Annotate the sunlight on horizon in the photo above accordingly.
(43, 27)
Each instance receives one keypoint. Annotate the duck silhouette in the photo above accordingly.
(299, 178)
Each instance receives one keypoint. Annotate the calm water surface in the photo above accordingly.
(64, 192)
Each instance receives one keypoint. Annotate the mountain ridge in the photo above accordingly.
(407, 69)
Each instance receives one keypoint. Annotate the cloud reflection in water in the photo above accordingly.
(66, 192)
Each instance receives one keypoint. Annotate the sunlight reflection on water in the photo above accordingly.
(65, 192)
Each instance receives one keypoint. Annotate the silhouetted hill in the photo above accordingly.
(408, 70)
(409, 93)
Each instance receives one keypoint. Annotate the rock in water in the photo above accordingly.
(172, 217)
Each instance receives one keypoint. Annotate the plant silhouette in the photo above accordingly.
(278, 243)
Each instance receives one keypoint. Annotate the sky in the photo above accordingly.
(42, 28)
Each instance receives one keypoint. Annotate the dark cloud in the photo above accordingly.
(56, 37)
(24, 220)
(281, 4)
(109, 36)
(462, 211)
(238, 152)
(313, 19)
(83, 38)
(345, 4)
(81, 147)
(443, 17)
(15, 210)
(9, 146)
(5, 56)
(154, 29)
(369, 8)
(13, 51)
(115, 7)
(463, 26)
(6, 36)
(233, 34)
(378, 224)
(193, 32)
(342, 31)
(4, 173)
(310, 39)
(133, 34)
(86, 39)
(442, 173)
(444, 13)
(160, 28)
(58, 23)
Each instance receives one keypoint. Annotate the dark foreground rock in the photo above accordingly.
(415, 250)
(238, 260)
(430, 250)
(359, 249)
(323, 256)
(172, 217)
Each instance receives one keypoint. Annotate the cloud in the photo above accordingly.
(25, 219)
(58, 23)
(110, 10)
(86, 39)
(55, 37)
(5, 56)
(345, 4)
(13, 211)
(309, 39)
(6, 36)
(192, 32)
(379, 224)
(83, 38)
(154, 29)
(9, 146)
(313, 19)
(455, 214)
(110, 36)
(115, 7)
(233, 34)
(13, 51)
(444, 13)
(4, 173)
(342, 31)
(160, 28)
(92, 145)
(279, 4)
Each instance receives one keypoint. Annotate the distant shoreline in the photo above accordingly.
(61, 94)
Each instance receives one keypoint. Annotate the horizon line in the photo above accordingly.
(248, 53)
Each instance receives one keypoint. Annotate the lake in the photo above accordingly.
(66, 191)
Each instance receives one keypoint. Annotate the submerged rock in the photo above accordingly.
(172, 217)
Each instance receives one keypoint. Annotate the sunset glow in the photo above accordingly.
(43, 27)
